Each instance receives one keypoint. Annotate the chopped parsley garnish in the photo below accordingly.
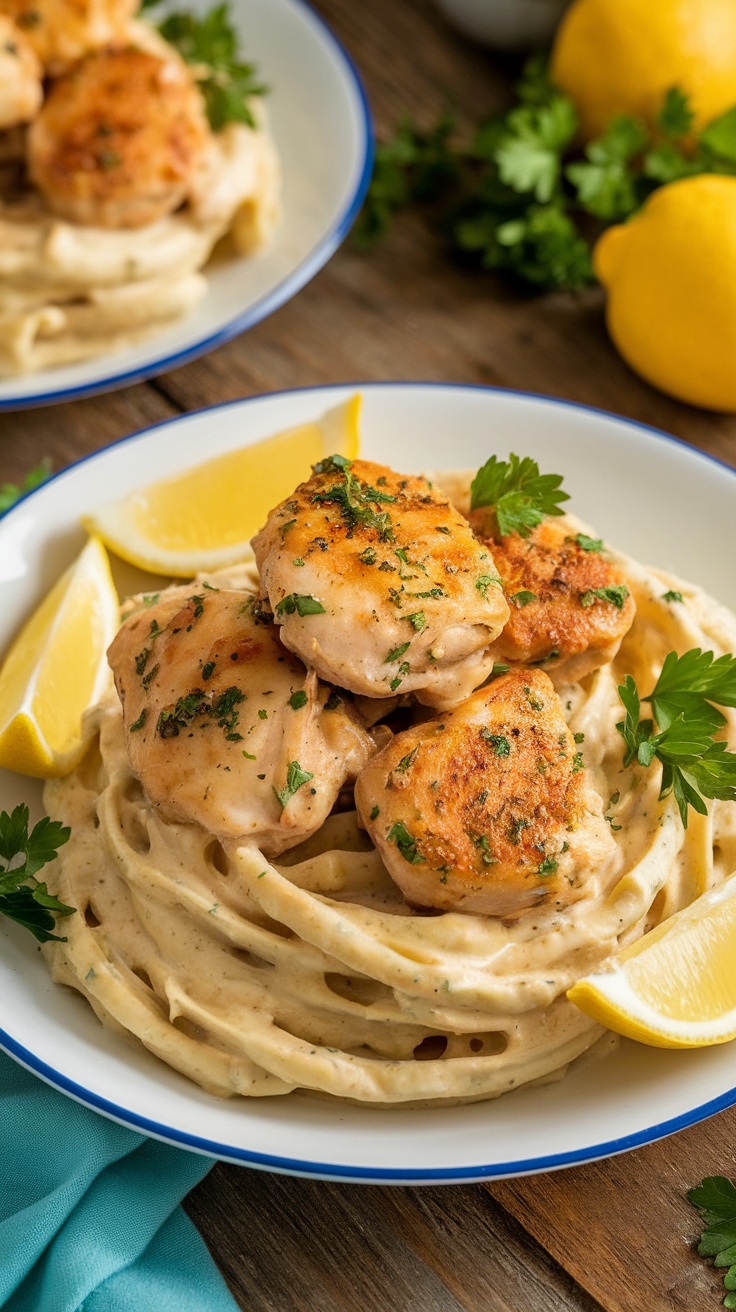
(22, 897)
(285, 527)
(716, 1198)
(547, 867)
(198, 603)
(249, 756)
(515, 830)
(406, 761)
(589, 544)
(615, 595)
(210, 45)
(208, 670)
(332, 465)
(519, 494)
(484, 582)
(298, 699)
(523, 598)
(295, 779)
(442, 528)
(148, 678)
(151, 598)
(198, 704)
(578, 763)
(671, 595)
(368, 557)
(684, 704)
(12, 492)
(481, 842)
(417, 620)
(578, 737)
(356, 501)
(375, 812)
(334, 701)
(139, 723)
(141, 660)
(499, 744)
(396, 652)
(303, 605)
(406, 843)
(397, 680)
(262, 713)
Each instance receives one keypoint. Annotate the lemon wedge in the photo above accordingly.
(56, 669)
(204, 518)
(675, 987)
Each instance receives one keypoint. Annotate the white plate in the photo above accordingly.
(319, 118)
(655, 498)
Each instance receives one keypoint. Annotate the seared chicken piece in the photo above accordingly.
(487, 809)
(118, 139)
(225, 728)
(63, 31)
(570, 605)
(21, 92)
(379, 585)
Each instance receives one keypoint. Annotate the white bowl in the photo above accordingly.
(644, 492)
(508, 24)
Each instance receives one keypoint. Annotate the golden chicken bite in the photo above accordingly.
(63, 31)
(224, 727)
(21, 91)
(118, 139)
(570, 605)
(487, 809)
(378, 583)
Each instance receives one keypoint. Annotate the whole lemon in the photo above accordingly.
(670, 273)
(621, 56)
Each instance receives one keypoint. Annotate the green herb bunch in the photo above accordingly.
(22, 854)
(716, 1198)
(523, 196)
(211, 45)
(695, 765)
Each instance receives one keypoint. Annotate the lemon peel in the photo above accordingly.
(56, 669)
(670, 274)
(204, 518)
(676, 986)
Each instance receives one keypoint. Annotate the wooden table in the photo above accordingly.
(616, 1235)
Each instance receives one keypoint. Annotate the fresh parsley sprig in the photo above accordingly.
(695, 765)
(521, 196)
(23, 897)
(716, 1198)
(519, 494)
(211, 45)
(12, 492)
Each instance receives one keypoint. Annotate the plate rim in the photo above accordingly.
(281, 294)
(351, 1172)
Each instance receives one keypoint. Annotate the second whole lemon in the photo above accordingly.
(622, 56)
(670, 274)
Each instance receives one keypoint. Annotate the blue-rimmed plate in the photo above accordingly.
(648, 494)
(319, 118)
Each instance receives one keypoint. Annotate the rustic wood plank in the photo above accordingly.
(407, 309)
(66, 432)
(624, 1227)
(299, 1244)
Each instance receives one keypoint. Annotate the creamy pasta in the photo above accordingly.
(310, 972)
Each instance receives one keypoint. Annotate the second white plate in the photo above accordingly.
(319, 118)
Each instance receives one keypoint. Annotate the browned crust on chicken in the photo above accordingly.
(488, 808)
(410, 600)
(564, 624)
(118, 139)
(220, 719)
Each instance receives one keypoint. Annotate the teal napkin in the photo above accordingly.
(89, 1212)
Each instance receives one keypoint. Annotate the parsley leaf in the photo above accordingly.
(606, 186)
(412, 166)
(616, 596)
(302, 605)
(519, 494)
(529, 157)
(715, 1196)
(12, 492)
(22, 897)
(695, 765)
(406, 843)
(295, 779)
(210, 45)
